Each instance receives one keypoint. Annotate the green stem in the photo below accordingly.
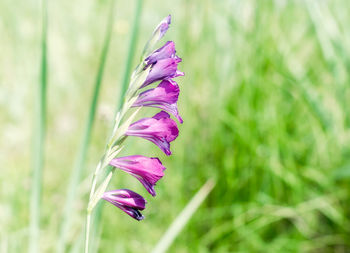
(88, 217)
(39, 139)
(87, 233)
(81, 157)
(100, 166)
(127, 72)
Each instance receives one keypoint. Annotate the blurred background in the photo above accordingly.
(265, 103)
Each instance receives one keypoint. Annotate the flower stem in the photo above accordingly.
(87, 233)
(90, 207)
(125, 79)
(88, 216)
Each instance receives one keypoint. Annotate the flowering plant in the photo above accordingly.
(158, 65)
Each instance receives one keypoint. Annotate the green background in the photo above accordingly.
(265, 103)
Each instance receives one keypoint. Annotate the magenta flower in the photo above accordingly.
(163, 69)
(161, 66)
(128, 201)
(160, 129)
(147, 170)
(166, 51)
(164, 96)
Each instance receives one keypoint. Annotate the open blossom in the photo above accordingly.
(128, 201)
(160, 65)
(166, 51)
(160, 129)
(164, 96)
(147, 170)
(163, 69)
(163, 63)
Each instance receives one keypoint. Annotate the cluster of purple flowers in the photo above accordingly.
(159, 129)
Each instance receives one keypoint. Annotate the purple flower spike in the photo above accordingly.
(147, 170)
(160, 129)
(166, 51)
(163, 69)
(128, 201)
(164, 96)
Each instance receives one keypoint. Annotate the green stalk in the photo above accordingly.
(39, 139)
(87, 232)
(125, 80)
(81, 157)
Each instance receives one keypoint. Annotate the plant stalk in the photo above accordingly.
(88, 216)
(124, 86)
(127, 72)
(87, 233)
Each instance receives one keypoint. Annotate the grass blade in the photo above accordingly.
(39, 140)
(81, 157)
(182, 219)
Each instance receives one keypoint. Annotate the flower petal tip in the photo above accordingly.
(168, 19)
(179, 73)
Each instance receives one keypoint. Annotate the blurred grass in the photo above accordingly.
(39, 135)
(265, 102)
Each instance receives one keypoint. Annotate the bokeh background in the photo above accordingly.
(265, 103)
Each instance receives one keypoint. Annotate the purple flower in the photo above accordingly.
(166, 51)
(147, 170)
(163, 69)
(128, 201)
(160, 129)
(164, 96)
